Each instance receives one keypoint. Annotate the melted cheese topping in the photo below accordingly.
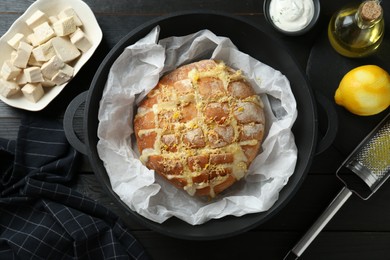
(183, 131)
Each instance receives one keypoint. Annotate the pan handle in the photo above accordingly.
(326, 110)
(69, 115)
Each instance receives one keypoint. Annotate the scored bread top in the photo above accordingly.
(200, 127)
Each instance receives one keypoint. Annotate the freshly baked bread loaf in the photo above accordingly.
(200, 127)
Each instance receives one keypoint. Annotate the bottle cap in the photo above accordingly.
(371, 10)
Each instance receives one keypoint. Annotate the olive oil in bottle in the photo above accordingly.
(357, 31)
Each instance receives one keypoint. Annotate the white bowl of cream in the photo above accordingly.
(292, 17)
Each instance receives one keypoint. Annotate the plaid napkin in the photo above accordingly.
(42, 218)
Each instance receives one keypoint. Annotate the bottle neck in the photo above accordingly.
(369, 14)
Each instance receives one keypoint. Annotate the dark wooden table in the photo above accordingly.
(360, 230)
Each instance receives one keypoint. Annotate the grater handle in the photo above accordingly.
(320, 223)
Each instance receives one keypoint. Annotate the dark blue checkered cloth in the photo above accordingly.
(40, 216)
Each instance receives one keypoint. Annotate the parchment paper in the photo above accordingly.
(136, 71)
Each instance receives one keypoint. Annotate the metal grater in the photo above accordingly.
(371, 160)
(366, 169)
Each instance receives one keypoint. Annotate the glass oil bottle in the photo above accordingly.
(357, 31)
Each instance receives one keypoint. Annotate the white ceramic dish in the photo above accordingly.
(90, 27)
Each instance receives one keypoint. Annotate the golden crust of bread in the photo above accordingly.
(200, 127)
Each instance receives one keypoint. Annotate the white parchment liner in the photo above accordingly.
(135, 72)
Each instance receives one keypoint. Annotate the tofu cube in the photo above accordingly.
(37, 18)
(64, 49)
(43, 52)
(15, 40)
(21, 80)
(33, 74)
(8, 88)
(53, 19)
(50, 68)
(80, 40)
(33, 62)
(32, 39)
(9, 71)
(64, 26)
(63, 75)
(13, 56)
(22, 55)
(48, 83)
(33, 92)
(70, 12)
(43, 33)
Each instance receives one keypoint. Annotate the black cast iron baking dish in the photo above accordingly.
(249, 39)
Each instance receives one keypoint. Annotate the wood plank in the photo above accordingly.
(9, 112)
(152, 7)
(147, 7)
(6, 21)
(349, 245)
(316, 194)
(269, 245)
(9, 128)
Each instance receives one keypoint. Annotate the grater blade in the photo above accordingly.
(370, 161)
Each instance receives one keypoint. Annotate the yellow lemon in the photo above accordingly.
(364, 90)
